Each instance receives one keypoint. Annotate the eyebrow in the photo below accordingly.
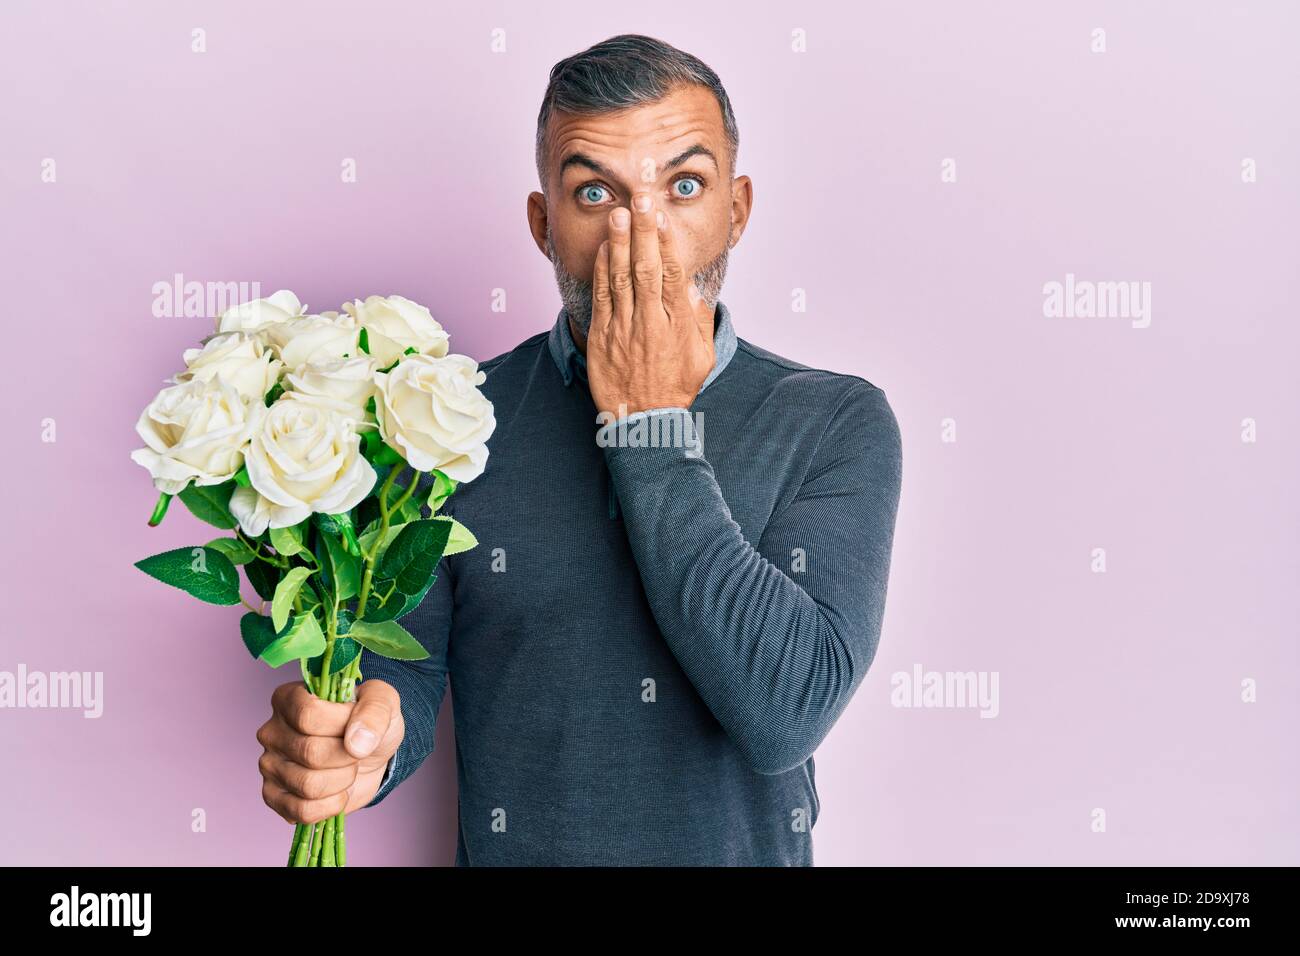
(582, 159)
(696, 150)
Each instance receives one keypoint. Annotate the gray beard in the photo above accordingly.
(576, 294)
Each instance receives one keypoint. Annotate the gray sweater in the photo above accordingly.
(659, 625)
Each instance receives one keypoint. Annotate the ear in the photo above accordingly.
(742, 201)
(537, 220)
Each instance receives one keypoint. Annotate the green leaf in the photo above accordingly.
(414, 553)
(308, 598)
(205, 573)
(273, 393)
(241, 477)
(388, 456)
(460, 539)
(367, 540)
(233, 548)
(350, 544)
(327, 523)
(410, 511)
(287, 541)
(398, 604)
(363, 340)
(441, 490)
(388, 639)
(211, 503)
(371, 442)
(263, 577)
(391, 609)
(257, 632)
(285, 592)
(341, 571)
(345, 652)
(303, 639)
(343, 623)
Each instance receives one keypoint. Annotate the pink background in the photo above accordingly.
(1118, 690)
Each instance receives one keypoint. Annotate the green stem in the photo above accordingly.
(257, 551)
(385, 519)
(343, 694)
(327, 856)
(341, 841)
(298, 850)
(406, 494)
(160, 509)
(323, 682)
(318, 833)
(336, 836)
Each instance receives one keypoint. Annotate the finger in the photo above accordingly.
(602, 303)
(308, 714)
(321, 753)
(304, 782)
(295, 809)
(620, 268)
(677, 285)
(378, 704)
(647, 275)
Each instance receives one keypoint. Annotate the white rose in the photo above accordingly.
(345, 384)
(394, 324)
(256, 315)
(196, 431)
(432, 413)
(304, 457)
(239, 358)
(314, 338)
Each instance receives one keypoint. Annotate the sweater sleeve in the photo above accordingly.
(775, 635)
(420, 684)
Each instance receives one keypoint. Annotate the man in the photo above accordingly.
(656, 630)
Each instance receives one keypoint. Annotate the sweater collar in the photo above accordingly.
(571, 362)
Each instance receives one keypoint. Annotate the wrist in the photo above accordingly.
(614, 410)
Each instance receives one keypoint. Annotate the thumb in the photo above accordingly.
(377, 703)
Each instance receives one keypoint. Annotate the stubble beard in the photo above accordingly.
(576, 294)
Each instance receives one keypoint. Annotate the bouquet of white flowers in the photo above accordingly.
(307, 437)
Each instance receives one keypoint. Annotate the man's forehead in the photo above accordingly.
(657, 130)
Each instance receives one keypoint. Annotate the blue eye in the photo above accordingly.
(687, 188)
(592, 193)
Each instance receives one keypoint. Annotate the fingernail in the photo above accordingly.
(641, 202)
(620, 217)
(363, 740)
(661, 219)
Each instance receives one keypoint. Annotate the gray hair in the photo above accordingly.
(621, 72)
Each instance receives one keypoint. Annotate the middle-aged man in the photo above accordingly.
(684, 539)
